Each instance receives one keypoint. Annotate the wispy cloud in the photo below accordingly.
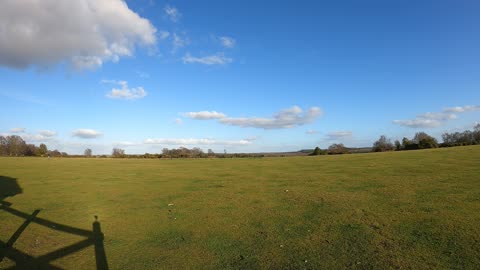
(311, 132)
(86, 133)
(227, 42)
(172, 13)
(251, 139)
(178, 121)
(419, 123)
(336, 135)
(41, 136)
(142, 74)
(436, 119)
(179, 42)
(18, 130)
(124, 92)
(163, 35)
(440, 116)
(287, 118)
(37, 138)
(218, 59)
(461, 109)
(204, 115)
(47, 133)
(23, 97)
(190, 141)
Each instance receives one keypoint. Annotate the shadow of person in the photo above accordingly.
(8, 188)
(100, 256)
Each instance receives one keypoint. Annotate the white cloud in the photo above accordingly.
(125, 92)
(436, 119)
(227, 42)
(204, 115)
(287, 118)
(86, 133)
(339, 135)
(18, 130)
(461, 109)
(190, 141)
(47, 133)
(82, 33)
(311, 132)
(172, 13)
(218, 59)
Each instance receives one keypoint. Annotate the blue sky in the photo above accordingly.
(245, 76)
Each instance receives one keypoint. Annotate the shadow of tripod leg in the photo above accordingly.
(17, 234)
(100, 256)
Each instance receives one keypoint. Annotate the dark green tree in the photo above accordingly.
(398, 145)
(425, 141)
(42, 150)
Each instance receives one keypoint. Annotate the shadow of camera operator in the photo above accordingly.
(8, 188)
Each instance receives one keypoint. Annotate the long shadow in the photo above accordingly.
(9, 187)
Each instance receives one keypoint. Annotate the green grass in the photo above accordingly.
(400, 210)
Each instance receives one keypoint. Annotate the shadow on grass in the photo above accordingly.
(9, 187)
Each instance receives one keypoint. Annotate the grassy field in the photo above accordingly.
(400, 210)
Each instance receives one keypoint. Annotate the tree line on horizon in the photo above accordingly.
(15, 146)
(421, 140)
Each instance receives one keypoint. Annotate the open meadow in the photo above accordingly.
(395, 210)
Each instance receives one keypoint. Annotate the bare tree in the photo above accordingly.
(15, 145)
(87, 152)
(3, 146)
(337, 149)
(117, 152)
(383, 144)
(31, 150)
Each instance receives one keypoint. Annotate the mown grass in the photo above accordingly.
(401, 210)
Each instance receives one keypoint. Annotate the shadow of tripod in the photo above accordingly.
(25, 261)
